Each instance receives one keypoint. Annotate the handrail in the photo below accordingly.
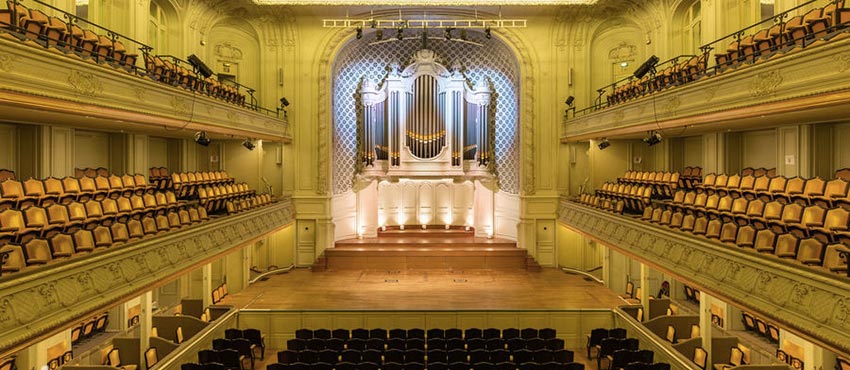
(272, 272)
(664, 346)
(584, 273)
(169, 360)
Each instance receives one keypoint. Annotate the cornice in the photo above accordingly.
(808, 85)
(813, 303)
(38, 302)
(35, 81)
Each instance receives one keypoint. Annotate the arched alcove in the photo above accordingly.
(617, 49)
(234, 51)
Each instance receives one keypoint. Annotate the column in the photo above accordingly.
(644, 288)
(145, 324)
(206, 284)
(705, 328)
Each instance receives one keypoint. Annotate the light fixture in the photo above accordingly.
(647, 66)
(487, 33)
(570, 100)
(202, 139)
(448, 33)
(603, 144)
(653, 138)
(248, 144)
(400, 34)
(359, 33)
(379, 35)
(283, 102)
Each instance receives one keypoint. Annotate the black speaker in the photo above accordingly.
(284, 102)
(200, 66)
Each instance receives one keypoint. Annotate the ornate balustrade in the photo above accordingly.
(36, 302)
(808, 85)
(813, 303)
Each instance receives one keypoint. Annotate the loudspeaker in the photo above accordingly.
(200, 66)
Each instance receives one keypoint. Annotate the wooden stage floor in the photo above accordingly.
(509, 289)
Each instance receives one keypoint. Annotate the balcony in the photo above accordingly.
(36, 302)
(802, 86)
(808, 301)
(43, 85)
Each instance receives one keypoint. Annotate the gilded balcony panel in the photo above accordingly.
(809, 301)
(44, 85)
(805, 85)
(37, 302)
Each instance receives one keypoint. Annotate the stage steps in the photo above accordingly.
(455, 248)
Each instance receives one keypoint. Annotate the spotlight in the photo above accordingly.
(603, 144)
(283, 102)
(569, 101)
(652, 139)
(647, 66)
(248, 144)
(202, 139)
(200, 66)
(448, 33)
(379, 35)
(359, 33)
(400, 34)
(487, 33)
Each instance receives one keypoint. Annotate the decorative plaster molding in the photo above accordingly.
(85, 83)
(38, 302)
(7, 62)
(765, 83)
(811, 302)
(842, 62)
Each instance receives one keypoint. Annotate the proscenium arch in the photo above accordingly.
(528, 74)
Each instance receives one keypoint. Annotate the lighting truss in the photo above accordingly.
(423, 23)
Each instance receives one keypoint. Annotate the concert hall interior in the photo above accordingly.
(424, 184)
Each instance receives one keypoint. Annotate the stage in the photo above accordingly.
(480, 289)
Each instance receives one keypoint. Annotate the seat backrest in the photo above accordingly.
(736, 356)
(15, 259)
(762, 183)
(765, 239)
(113, 358)
(670, 334)
(700, 357)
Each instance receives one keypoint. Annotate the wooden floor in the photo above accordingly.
(509, 289)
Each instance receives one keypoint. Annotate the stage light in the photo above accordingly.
(603, 144)
(400, 34)
(359, 33)
(653, 138)
(202, 139)
(249, 144)
(199, 66)
(647, 66)
(379, 35)
(570, 100)
(448, 33)
(487, 33)
(283, 102)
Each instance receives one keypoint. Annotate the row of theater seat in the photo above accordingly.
(461, 344)
(21, 225)
(219, 293)
(89, 328)
(453, 333)
(798, 364)
(635, 197)
(248, 203)
(760, 326)
(162, 179)
(786, 190)
(662, 183)
(35, 26)
(172, 72)
(39, 251)
(760, 236)
(617, 206)
(22, 194)
(216, 197)
(422, 366)
(818, 26)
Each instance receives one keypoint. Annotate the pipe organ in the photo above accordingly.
(426, 149)
(425, 120)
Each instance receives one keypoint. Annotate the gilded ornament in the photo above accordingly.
(7, 62)
(765, 83)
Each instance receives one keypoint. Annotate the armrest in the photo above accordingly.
(812, 261)
(813, 225)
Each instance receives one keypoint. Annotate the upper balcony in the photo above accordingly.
(780, 73)
(52, 70)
